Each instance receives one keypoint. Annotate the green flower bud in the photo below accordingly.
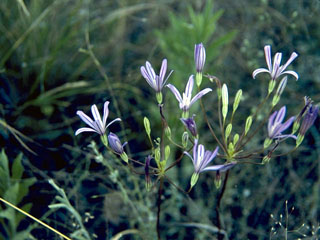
(147, 125)
(228, 130)
(248, 125)
(267, 142)
(235, 139)
(194, 179)
(157, 156)
(237, 100)
(225, 101)
(185, 139)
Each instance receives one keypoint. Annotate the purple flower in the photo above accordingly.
(276, 127)
(276, 70)
(97, 125)
(185, 101)
(202, 158)
(115, 143)
(155, 81)
(199, 57)
(190, 125)
(308, 119)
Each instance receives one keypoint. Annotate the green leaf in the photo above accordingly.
(17, 168)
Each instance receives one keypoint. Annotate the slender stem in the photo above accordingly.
(219, 198)
(35, 219)
(159, 207)
(209, 125)
(239, 144)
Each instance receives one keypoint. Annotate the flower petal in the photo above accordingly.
(293, 73)
(271, 122)
(293, 56)
(115, 120)
(105, 112)
(221, 168)
(276, 65)
(267, 54)
(175, 92)
(163, 71)
(208, 157)
(150, 71)
(85, 129)
(97, 117)
(199, 95)
(149, 79)
(84, 117)
(259, 70)
(189, 87)
(280, 116)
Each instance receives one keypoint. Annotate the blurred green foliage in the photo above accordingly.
(13, 188)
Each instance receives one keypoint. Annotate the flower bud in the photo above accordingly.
(237, 100)
(115, 143)
(147, 125)
(248, 125)
(225, 101)
(228, 131)
(190, 124)
(235, 139)
(185, 139)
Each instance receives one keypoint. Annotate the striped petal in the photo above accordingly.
(259, 70)
(84, 117)
(175, 92)
(199, 95)
(189, 87)
(105, 112)
(267, 54)
(81, 130)
(115, 120)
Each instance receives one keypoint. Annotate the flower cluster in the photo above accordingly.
(231, 145)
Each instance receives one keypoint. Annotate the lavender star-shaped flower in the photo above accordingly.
(276, 70)
(276, 127)
(155, 81)
(202, 158)
(97, 125)
(185, 101)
